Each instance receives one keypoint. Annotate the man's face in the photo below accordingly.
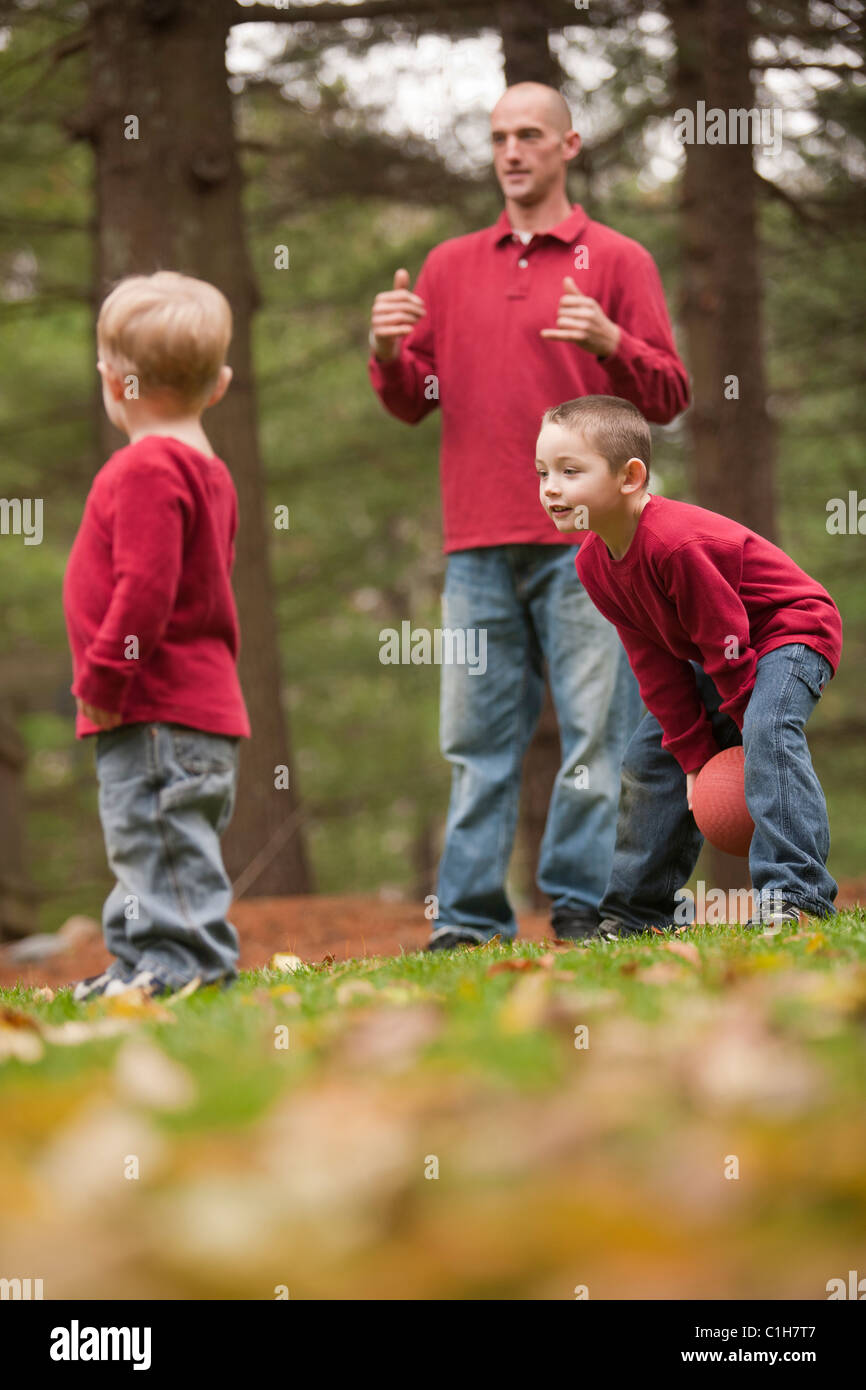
(576, 487)
(530, 154)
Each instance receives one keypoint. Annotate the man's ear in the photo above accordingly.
(572, 145)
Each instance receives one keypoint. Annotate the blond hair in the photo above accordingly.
(169, 330)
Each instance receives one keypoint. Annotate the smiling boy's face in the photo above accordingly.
(576, 487)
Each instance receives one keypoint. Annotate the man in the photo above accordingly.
(544, 306)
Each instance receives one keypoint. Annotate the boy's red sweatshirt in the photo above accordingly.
(152, 561)
(695, 586)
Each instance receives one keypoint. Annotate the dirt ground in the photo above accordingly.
(310, 927)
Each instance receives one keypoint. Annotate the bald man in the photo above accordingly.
(544, 306)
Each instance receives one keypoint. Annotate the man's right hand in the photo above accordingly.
(395, 314)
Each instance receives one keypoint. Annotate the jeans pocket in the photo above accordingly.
(813, 670)
(200, 752)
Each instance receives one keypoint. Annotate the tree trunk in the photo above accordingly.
(171, 199)
(731, 433)
(525, 46)
(732, 437)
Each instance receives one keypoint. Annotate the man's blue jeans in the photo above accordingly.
(657, 841)
(529, 602)
(166, 794)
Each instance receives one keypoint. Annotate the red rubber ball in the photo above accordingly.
(719, 802)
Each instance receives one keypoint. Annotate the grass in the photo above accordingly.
(579, 1106)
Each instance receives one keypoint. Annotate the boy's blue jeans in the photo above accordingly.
(657, 841)
(533, 608)
(166, 794)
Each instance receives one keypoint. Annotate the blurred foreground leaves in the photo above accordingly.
(455, 1128)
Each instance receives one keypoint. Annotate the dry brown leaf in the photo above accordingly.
(389, 1038)
(522, 963)
(684, 949)
(662, 972)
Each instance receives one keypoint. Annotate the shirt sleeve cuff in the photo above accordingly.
(694, 748)
(102, 687)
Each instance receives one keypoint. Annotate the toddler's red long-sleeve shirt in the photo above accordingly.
(147, 595)
(695, 586)
(479, 355)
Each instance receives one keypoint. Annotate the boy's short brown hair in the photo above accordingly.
(616, 429)
(169, 330)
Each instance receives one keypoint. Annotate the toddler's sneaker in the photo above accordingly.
(96, 985)
(150, 984)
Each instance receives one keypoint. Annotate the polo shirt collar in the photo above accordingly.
(565, 231)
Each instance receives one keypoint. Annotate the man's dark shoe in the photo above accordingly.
(450, 938)
(574, 923)
(611, 929)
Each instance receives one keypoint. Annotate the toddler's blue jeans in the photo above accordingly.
(166, 794)
(657, 841)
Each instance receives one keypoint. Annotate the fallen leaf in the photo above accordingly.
(684, 949)
(145, 1074)
(525, 1005)
(522, 963)
(134, 1003)
(818, 942)
(20, 1036)
(287, 965)
(660, 973)
(390, 1038)
(77, 1031)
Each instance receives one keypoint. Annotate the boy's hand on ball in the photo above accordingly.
(691, 778)
(106, 719)
(582, 320)
(395, 313)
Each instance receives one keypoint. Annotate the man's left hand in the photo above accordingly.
(582, 320)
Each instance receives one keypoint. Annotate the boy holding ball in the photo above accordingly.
(730, 642)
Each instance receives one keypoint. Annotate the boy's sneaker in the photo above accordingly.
(574, 923)
(150, 985)
(785, 915)
(449, 938)
(95, 985)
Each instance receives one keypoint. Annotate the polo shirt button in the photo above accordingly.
(523, 264)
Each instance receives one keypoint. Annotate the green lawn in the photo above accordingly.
(675, 1117)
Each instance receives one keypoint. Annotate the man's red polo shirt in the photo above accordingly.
(478, 354)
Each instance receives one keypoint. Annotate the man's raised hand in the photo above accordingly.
(395, 313)
(582, 320)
